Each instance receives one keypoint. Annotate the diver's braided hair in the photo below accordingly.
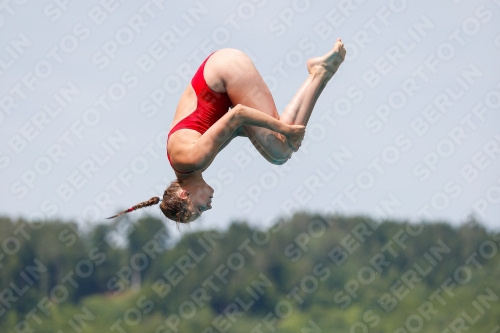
(150, 202)
(172, 206)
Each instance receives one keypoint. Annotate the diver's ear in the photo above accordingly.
(183, 194)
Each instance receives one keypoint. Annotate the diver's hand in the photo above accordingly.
(294, 136)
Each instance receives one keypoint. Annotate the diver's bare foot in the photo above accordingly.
(330, 62)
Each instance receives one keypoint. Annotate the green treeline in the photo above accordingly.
(309, 273)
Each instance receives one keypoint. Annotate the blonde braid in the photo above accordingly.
(150, 202)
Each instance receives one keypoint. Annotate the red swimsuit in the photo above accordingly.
(211, 107)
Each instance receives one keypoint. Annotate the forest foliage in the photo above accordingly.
(309, 273)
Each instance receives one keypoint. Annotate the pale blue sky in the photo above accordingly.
(418, 49)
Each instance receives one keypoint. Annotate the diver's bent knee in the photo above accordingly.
(279, 162)
(283, 155)
(282, 160)
(278, 154)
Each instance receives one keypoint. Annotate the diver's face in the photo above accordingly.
(200, 197)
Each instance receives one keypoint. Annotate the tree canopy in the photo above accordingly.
(310, 273)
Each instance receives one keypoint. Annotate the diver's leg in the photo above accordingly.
(245, 86)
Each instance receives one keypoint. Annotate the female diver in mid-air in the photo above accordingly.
(203, 126)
